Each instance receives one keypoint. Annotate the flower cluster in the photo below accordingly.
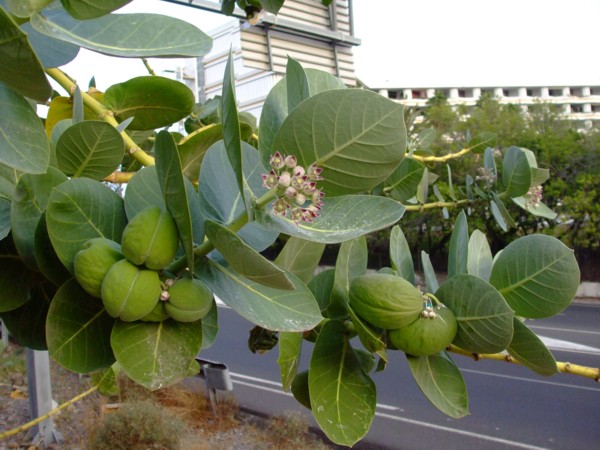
(486, 174)
(534, 196)
(296, 186)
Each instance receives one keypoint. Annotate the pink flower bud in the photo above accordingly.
(270, 179)
(291, 161)
(285, 180)
(299, 171)
(314, 172)
(277, 161)
(290, 192)
(300, 199)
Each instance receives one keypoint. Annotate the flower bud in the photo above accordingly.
(270, 179)
(314, 172)
(280, 207)
(277, 161)
(285, 180)
(299, 171)
(300, 199)
(291, 161)
(290, 192)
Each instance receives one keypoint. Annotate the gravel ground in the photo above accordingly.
(231, 428)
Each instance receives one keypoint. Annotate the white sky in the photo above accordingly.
(423, 43)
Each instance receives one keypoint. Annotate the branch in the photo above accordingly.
(119, 177)
(564, 367)
(37, 420)
(104, 113)
(435, 205)
(444, 158)
(148, 67)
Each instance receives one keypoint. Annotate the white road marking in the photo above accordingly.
(559, 344)
(569, 330)
(256, 383)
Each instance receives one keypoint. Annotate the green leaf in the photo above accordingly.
(321, 286)
(272, 6)
(296, 82)
(342, 395)
(244, 259)
(300, 257)
(220, 198)
(272, 309)
(210, 327)
(127, 35)
(4, 218)
(369, 337)
(78, 330)
(450, 185)
(168, 169)
(50, 51)
(485, 321)
(529, 349)
(342, 218)
(91, 149)
(156, 354)
(82, 209)
(537, 275)
(516, 172)
(90, 9)
(479, 261)
(106, 380)
(290, 345)
(23, 142)
(430, 277)
(400, 255)
(16, 280)
(23, 8)
(152, 101)
(350, 263)
(403, 183)
(45, 256)
(21, 69)
(501, 214)
(29, 201)
(442, 383)
(231, 131)
(194, 146)
(27, 324)
(540, 209)
(275, 108)
(358, 137)
(459, 246)
(423, 187)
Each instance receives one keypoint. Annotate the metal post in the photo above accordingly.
(40, 397)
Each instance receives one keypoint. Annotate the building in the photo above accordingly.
(580, 104)
(315, 35)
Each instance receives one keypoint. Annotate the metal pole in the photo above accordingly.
(40, 396)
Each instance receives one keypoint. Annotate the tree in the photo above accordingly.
(329, 165)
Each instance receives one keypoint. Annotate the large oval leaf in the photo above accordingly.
(342, 395)
(90, 9)
(156, 354)
(516, 172)
(342, 218)
(4, 217)
(290, 345)
(400, 255)
(273, 309)
(20, 69)
(45, 256)
(403, 183)
(92, 149)
(300, 257)
(16, 281)
(128, 35)
(27, 324)
(23, 142)
(358, 137)
(220, 199)
(171, 180)
(82, 209)
(459, 246)
(529, 349)
(479, 260)
(537, 275)
(442, 383)
(244, 259)
(29, 201)
(275, 108)
(152, 101)
(485, 321)
(78, 330)
(52, 52)
(194, 146)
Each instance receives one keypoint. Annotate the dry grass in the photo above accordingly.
(155, 415)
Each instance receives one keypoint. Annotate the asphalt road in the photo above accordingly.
(510, 406)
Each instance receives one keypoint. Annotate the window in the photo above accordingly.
(393, 94)
(576, 108)
(555, 92)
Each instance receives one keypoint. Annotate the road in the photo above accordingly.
(510, 406)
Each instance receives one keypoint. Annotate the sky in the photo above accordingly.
(432, 43)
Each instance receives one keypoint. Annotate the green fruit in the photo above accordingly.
(426, 336)
(150, 238)
(189, 300)
(130, 293)
(158, 314)
(93, 261)
(385, 301)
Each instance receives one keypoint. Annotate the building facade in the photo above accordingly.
(580, 104)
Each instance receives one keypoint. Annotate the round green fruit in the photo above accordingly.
(385, 301)
(93, 261)
(150, 238)
(426, 335)
(158, 314)
(130, 293)
(189, 300)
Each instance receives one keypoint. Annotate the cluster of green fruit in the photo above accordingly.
(127, 276)
(394, 304)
